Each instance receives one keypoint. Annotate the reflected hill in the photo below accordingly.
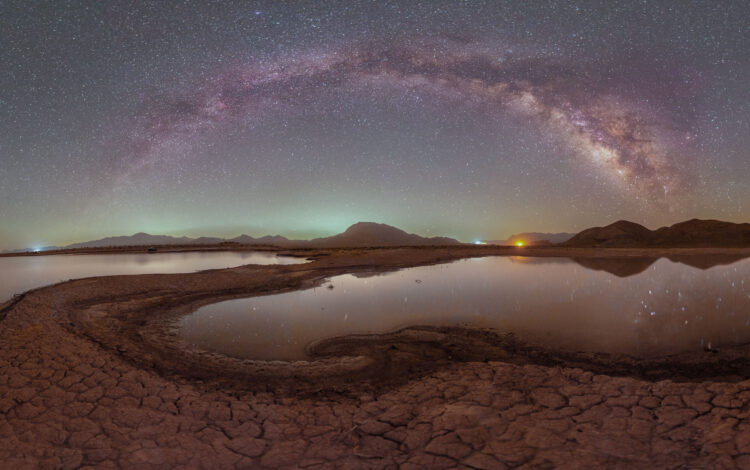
(706, 261)
(629, 266)
(625, 267)
(620, 267)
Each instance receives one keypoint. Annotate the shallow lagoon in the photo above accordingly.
(660, 308)
(21, 273)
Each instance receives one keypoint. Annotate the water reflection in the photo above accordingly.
(630, 266)
(661, 307)
(21, 273)
(706, 262)
(621, 267)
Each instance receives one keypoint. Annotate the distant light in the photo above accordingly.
(479, 242)
(519, 243)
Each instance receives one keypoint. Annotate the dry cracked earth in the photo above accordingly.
(69, 402)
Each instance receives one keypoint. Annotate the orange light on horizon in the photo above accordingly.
(519, 243)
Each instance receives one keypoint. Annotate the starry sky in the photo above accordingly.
(471, 119)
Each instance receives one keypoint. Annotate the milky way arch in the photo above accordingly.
(632, 145)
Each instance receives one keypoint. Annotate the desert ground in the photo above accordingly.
(91, 375)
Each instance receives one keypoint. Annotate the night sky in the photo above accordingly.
(466, 119)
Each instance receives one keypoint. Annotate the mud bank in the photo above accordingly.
(91, 374)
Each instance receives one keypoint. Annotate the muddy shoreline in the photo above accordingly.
(125, 318)
(90, 374)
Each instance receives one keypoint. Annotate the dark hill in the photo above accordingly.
(277, 240)
(692, 233)
(698, 232)
(137, 239)
(373, 234)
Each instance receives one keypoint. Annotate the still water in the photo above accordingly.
(663, 308)
(21, 273)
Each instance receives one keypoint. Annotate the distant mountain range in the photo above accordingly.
(534, 238)
(361, 234)
(621, 234)
(145, 239)
(692, 233)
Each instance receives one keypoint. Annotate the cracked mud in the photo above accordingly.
(90, 376)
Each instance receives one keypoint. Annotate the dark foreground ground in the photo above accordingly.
(90, 375)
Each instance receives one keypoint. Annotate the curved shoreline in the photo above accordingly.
(139, 327)
(88, 376)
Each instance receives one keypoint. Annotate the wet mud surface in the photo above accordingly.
(92, 375)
